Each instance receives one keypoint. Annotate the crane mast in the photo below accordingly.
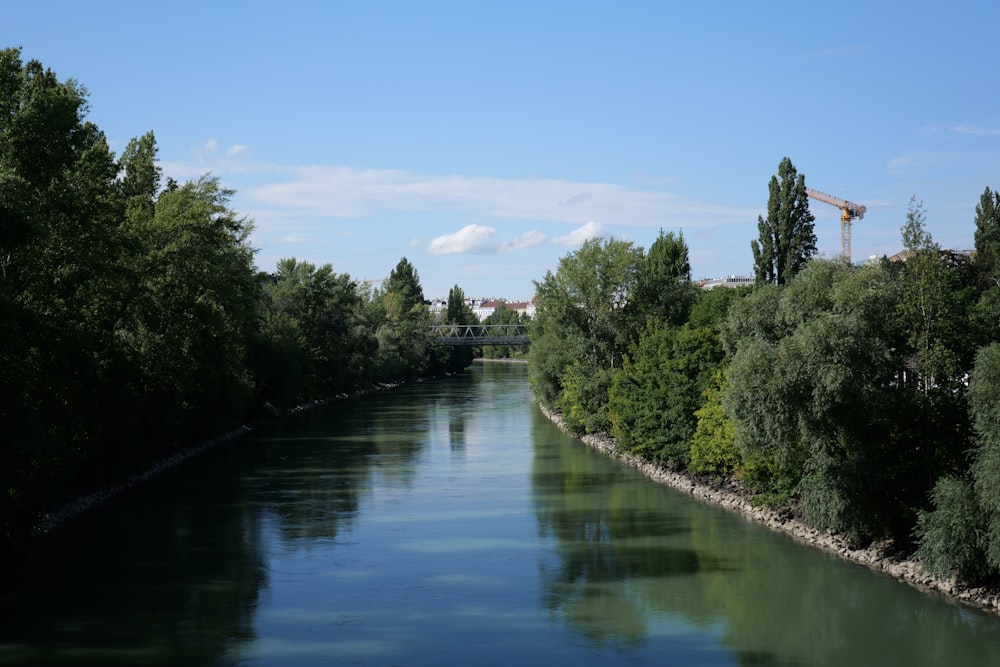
(849, 211)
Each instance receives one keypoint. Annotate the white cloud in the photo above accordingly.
(345, 192)
(474, 239)
(580, 234)
(236, 149)
(211, 145)
(480, 240)
(976, 130)
(526, 240)
(911, 161)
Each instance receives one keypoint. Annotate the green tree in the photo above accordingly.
(403, 331)
(813, 400)
(196, 307)
(313, 340)
(987, 239)
(936, 297)
(713, 445)
(986, 315)
(984, 405)
(711, 306)
(663, 286)
(459, 357)
(458, 311)
(787, 236)
(952, 536)
(653, 400)
(582, 330)
(62, 277)
(402, 291)
(960, 534)
(140, 178)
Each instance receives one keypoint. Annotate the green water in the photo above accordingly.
(450, 524)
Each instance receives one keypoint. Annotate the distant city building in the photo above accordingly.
(522, 307)
(728, 281)
(904, 255)
(484, 307)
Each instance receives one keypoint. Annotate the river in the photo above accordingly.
(449, 523)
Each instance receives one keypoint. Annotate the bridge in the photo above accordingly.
(480, 334)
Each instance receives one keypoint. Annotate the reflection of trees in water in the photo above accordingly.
(626, 553)
(316, 471)
(146, 580)
(617, 546)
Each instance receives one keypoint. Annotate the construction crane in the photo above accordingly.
(849, 211)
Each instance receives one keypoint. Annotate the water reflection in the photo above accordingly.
(636, 560)
(451, 523)
(146, 581)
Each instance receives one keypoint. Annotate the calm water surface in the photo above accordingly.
(450, 524)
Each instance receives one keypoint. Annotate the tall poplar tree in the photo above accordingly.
(987, 239)
(787, 236)
(986, 315)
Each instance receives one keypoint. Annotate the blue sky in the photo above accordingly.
(485, 140)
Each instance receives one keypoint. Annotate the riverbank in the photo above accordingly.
(732, 496)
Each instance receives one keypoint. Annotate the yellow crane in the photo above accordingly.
(849, 211)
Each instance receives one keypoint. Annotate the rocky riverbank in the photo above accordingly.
(733, 496)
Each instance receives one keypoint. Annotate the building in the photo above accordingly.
(728, 281)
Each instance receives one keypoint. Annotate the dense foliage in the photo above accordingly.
(134, 319)
(863, 397)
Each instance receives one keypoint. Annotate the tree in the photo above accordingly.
(313, 342)
(62, 279)
(787, 237)
(188, 324)
(711, 306)
(713, 445)
(653, 400)
(961, 534)
(984, 405)
(936, 297)
(458, 311)
(458, 358)
(987, 239)
(402, 291)
(952, 537)
(403, 333)
(140, 178)
(663, 286)
(813, 400)
(986, 315)
(582, 330)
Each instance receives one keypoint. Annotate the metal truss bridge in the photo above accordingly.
(480, 334)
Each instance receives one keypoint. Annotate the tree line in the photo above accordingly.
(861, 397)
(135, 321)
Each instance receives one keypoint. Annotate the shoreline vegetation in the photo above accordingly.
(729, 494)
(860, 397)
